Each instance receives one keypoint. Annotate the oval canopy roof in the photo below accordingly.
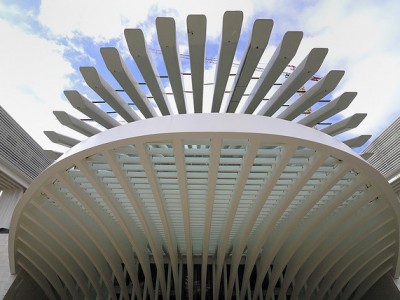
(250, 200)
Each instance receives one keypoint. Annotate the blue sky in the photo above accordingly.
(45, 42)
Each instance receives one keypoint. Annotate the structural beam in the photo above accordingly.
(328, 110)
(357, 141)
(58, 228)
(325, 271)
(38, 277)
(122, 244)
(108, 94)
(118, 68)
(299, 258)
(232, 25)
(184, 197)
(313, 95)
(196, 28)
(241, 239)
(248, 161)
(85, 106)
(344, 125)
(279, 61)
(370, 222)
(255, 48)
(140, 53)
(165, 203)
(296, 80)
(166, 32)
(61, 139)
(75, 123)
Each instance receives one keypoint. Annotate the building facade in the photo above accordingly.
(384, 154)
(21, 160)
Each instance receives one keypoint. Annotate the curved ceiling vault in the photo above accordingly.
(254, 200)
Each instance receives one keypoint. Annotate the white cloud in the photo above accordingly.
(33, 75)
(362, 39)
(103, 20)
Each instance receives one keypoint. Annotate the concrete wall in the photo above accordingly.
(6, 279)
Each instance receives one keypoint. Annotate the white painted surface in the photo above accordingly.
(145, 183)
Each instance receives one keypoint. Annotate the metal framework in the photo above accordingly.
(208, 205)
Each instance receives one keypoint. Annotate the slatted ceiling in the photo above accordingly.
(211, 194)
(109, 95)
(196, 28)
(366, 224)
(328, 110)
(257, 43)
(85, 106)
(170, 236)
(331, 259)
(173, 205)
(298, 211)
(166, 32)
(257, 208)
(366, 258)
(185, 205)
(140, 53)
(300, 280)
(58, 265)
(75, 124)
(305, 251)
(89, 249)
(231, 27)
(53, 230)
(37, 276)
(143, 192)
(281, 260)
(224, 241)
(42, 267)
(358, 266)
(98, 213)
(296, 80)
(279, 61)
(322, 88)
(118, 68)
(344, 125)
(371, 280)
(357, 141)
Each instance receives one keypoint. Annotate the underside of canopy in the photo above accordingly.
(252, 198)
